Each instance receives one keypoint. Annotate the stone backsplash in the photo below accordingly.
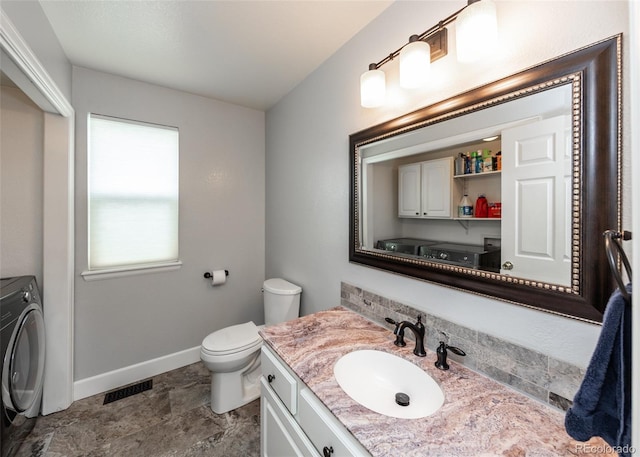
(532, 373)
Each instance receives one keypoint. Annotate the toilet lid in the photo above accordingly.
(232, 339)
(280, 286)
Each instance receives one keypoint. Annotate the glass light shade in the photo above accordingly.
(476, 31)
(372, 88)
(415, 64)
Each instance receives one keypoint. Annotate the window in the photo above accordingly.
(132, 194)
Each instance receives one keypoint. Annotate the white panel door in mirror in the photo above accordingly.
(536, 209)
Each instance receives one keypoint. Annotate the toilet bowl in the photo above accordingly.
(232, 354)
(233, 357)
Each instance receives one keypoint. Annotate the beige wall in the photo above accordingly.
(21, 185)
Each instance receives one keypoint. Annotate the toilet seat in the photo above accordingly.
(231, 340)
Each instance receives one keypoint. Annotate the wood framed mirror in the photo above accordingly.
(555, 218)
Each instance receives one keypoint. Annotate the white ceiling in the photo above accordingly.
(249, 53)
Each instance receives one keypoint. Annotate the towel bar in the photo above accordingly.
(612, 244)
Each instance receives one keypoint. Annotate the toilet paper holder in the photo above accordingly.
(208, 274)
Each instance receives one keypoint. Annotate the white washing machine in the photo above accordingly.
(23, 346)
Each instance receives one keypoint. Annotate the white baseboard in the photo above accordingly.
(127, 375)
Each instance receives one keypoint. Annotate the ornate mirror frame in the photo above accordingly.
(594, 73)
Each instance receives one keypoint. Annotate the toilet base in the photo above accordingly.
(233, 390)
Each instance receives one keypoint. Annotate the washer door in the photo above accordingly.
(23, 371)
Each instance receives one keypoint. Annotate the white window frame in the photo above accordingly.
(92, 274)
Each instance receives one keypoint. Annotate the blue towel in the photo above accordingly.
(602, 405)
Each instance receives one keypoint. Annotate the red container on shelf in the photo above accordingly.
(495, 210)
(482, 207)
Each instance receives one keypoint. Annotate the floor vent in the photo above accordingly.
(128, 391)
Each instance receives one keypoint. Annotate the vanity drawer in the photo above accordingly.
(280, 434)
(326, 433)
(280, 380)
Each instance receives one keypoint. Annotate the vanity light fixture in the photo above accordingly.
(476, 31)
(476, 36)
(415, 63)
(372, 87)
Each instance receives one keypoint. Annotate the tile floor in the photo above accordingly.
(171, 419)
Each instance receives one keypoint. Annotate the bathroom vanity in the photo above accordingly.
(305, 412)
(293, 420)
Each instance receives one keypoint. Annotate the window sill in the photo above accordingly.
(96, 275)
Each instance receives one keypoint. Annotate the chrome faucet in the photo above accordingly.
(418, 332)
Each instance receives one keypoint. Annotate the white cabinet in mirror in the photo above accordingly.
(426, 190)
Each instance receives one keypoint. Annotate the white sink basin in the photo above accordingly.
(373, 378)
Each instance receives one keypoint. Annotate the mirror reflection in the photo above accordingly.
(536, 237)
(490, 190)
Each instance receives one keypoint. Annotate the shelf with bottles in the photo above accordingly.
(479, 162)
(482, 211)
(478, 175)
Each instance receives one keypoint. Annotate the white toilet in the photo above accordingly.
(232, 354)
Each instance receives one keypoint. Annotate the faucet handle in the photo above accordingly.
(441, 352)
(456, 350)
(391, 321)
(399, 333)
(445, 344)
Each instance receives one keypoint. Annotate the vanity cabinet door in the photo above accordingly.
(328, 435)
(282, 383)
(280, 435)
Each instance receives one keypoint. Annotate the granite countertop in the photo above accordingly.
(480, 417)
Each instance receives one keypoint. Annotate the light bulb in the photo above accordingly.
(476, 31)
(415, 63)
(372, 87)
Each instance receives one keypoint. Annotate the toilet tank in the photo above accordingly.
(281, 301)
